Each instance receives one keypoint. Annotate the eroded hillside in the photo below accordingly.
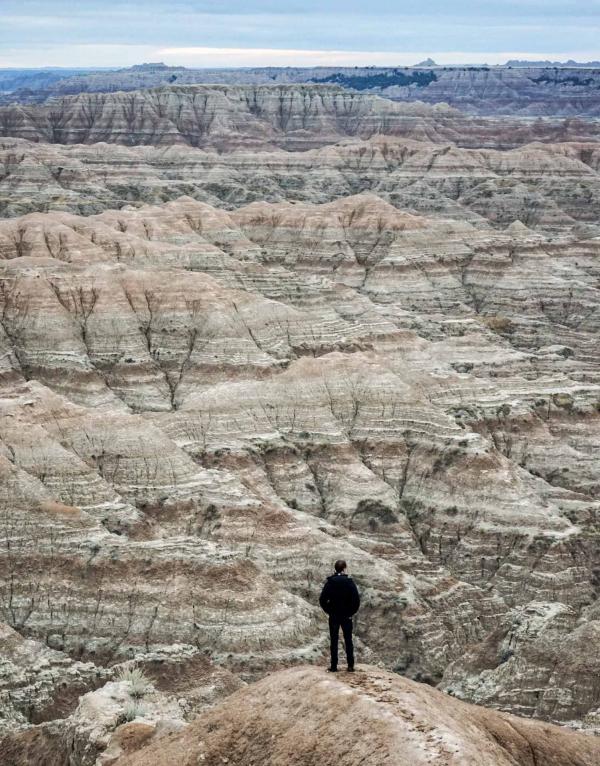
(231, 397)
(294, 117)
(389, 354)
(549, 185)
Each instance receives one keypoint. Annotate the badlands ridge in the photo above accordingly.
(293, 117)
(515, 89)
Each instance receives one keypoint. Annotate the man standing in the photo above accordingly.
(340, 599)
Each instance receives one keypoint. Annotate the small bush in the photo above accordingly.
(500, 324)
(503, 411)
(139, 683)
(381, 513)
(564, 401)
(133, 710)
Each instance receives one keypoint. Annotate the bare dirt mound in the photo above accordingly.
(304, 716)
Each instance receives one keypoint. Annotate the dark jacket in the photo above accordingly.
(339, 597)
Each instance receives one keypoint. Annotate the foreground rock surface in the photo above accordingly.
(302, 716)
(132, 703)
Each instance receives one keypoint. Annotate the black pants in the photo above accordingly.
(345, 623)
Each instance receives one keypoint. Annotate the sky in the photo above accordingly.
(96, 33)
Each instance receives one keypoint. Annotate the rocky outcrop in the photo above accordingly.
(122, 714)
(295, 717)
(38, 683)
(218, 116)
(56, 710)
(482, 90)
(301, 716)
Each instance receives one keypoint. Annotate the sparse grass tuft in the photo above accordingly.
(132, 710)
(139, 683)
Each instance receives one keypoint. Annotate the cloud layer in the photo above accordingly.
(235, 33)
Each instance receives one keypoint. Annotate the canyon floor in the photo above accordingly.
(235, 350)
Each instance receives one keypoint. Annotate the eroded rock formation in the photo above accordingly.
(482, 90)
(542, 185)
(202, 408)
(390, 354)
(293, 117)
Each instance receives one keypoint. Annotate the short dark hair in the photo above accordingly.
(339, 565)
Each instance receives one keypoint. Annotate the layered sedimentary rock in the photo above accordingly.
(222, 370)
(132, 704)
(219, 116)
(482, 90)
(293, 117)
(543, 185)
(202, 409)
(38, 683)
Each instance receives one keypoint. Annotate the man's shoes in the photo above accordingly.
(332, 670)
(351, 670)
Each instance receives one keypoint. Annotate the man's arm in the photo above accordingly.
(324, 598)
(355, 598)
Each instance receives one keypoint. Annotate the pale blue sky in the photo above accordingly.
(235, 33)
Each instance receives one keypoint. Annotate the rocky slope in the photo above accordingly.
(297, 716)
(390, 354)
(302, 716)
(220, 116)
(482, 90)
(293, 117)
(202, 409)
(552, 186)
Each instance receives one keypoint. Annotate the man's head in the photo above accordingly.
(339, 566)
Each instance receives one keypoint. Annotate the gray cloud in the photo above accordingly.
(56, 27)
